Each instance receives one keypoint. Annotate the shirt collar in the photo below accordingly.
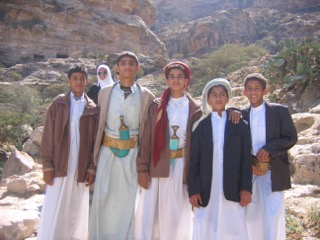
(72, 97)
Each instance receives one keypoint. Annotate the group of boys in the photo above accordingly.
(131, 139)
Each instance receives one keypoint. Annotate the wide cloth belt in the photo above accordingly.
(118, 143)
(176, 153)
(262, 166)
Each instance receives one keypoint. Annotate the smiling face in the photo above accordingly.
(177, 82)
(218, 98)
(77, 82)
(254, 91)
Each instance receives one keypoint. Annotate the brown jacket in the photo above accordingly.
(146, 98)
(55, 143)
(144, 160)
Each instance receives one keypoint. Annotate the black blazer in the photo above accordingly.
(237, 160)
(281, 135)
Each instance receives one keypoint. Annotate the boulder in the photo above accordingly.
(31, 148)
(18, 186)
(18, 163)
(32, 145)
(18, 224)
(305, 155)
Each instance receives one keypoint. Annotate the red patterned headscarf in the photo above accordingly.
(162, 117)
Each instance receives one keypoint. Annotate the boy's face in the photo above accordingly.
(218, 99)
(255, 92)
(77, 83)
(176, 80)
(127, 67)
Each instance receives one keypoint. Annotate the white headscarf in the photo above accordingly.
(108, 80)
(206, 109)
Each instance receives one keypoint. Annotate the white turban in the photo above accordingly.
(206, 109)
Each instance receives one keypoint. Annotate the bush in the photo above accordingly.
(53, 90)
(298, 63)
(294, 226)
(314, 218)
(20, 105)
(229, 58)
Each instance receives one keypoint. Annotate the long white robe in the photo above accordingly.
(65, 211)
(115, 189)
(221, 219)
(164, 211)
(266, 212)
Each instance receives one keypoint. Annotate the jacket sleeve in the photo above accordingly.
(288, 134)
(194, 183)
(246, 163)
(92, 167)
(46, 146)
(145, 150)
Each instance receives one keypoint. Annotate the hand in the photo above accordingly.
(195, 200)
(245, 198)
(90, 178)
(48, 177)
(235, 116)
(257, 172)
(263, 155)
(144, 179)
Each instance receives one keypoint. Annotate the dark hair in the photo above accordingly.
(224, 88)
(256, 77)
(81, 68)
(128, 54)
(175, 66)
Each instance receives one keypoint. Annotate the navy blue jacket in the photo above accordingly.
(237, 160)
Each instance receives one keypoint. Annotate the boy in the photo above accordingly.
(164, 211)
(66, 152)
(273, 134)
(124, 107)
(220, 169)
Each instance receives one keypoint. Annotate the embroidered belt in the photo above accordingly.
(263, 167)
(176, 153)
(118, 143)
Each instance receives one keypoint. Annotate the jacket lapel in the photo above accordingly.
(207, 133)
(270, 120)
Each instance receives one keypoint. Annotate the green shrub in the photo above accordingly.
(298, 63)
(293, 224)
(12, 76)
(20, 105)
(314, 217)
(229, 58)
(53, 90)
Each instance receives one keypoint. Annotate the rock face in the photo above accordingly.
(184, 10)
(306, 153)
(265, 27)
(38, 29)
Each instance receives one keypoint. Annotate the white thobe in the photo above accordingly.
(220, 219)
(164, 211)
(115, 189)
(266, 212)
(65, 211)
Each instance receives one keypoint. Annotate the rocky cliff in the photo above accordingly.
(182, 10)
(266, 27)
(38, 29)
